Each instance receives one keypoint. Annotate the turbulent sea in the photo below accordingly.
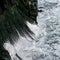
(50, 20)
(48, 41)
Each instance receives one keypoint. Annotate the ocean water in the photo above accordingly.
(50, 21)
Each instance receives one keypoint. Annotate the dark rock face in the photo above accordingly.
(31, 5)
(13, 15)
(28, 7)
